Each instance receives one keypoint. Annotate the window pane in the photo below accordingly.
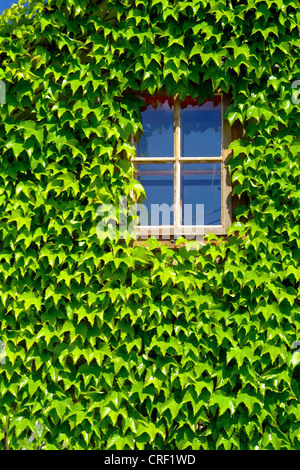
(158, 126)
(201, 184)
(201, 129)
(157, 180)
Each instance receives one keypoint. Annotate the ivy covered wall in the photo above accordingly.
(109, 345)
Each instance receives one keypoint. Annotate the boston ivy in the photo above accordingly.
(110, 345)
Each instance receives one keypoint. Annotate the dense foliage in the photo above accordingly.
(115, 346)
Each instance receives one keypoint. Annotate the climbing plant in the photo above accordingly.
(114, 345)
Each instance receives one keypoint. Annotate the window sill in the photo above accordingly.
(169, 232)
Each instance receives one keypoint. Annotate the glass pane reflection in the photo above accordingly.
(158, 182)
(158, 127)
(201, 130)
(201, 184)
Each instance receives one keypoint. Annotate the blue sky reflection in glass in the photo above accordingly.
(201, 129)
(201, 184)
(158, 182)
(158, 126)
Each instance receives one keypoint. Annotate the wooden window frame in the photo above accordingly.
(168, 232)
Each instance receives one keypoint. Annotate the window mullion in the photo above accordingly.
(177, 155)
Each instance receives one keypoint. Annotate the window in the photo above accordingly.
(180, 161)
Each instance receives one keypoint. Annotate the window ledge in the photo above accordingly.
(170, 231)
